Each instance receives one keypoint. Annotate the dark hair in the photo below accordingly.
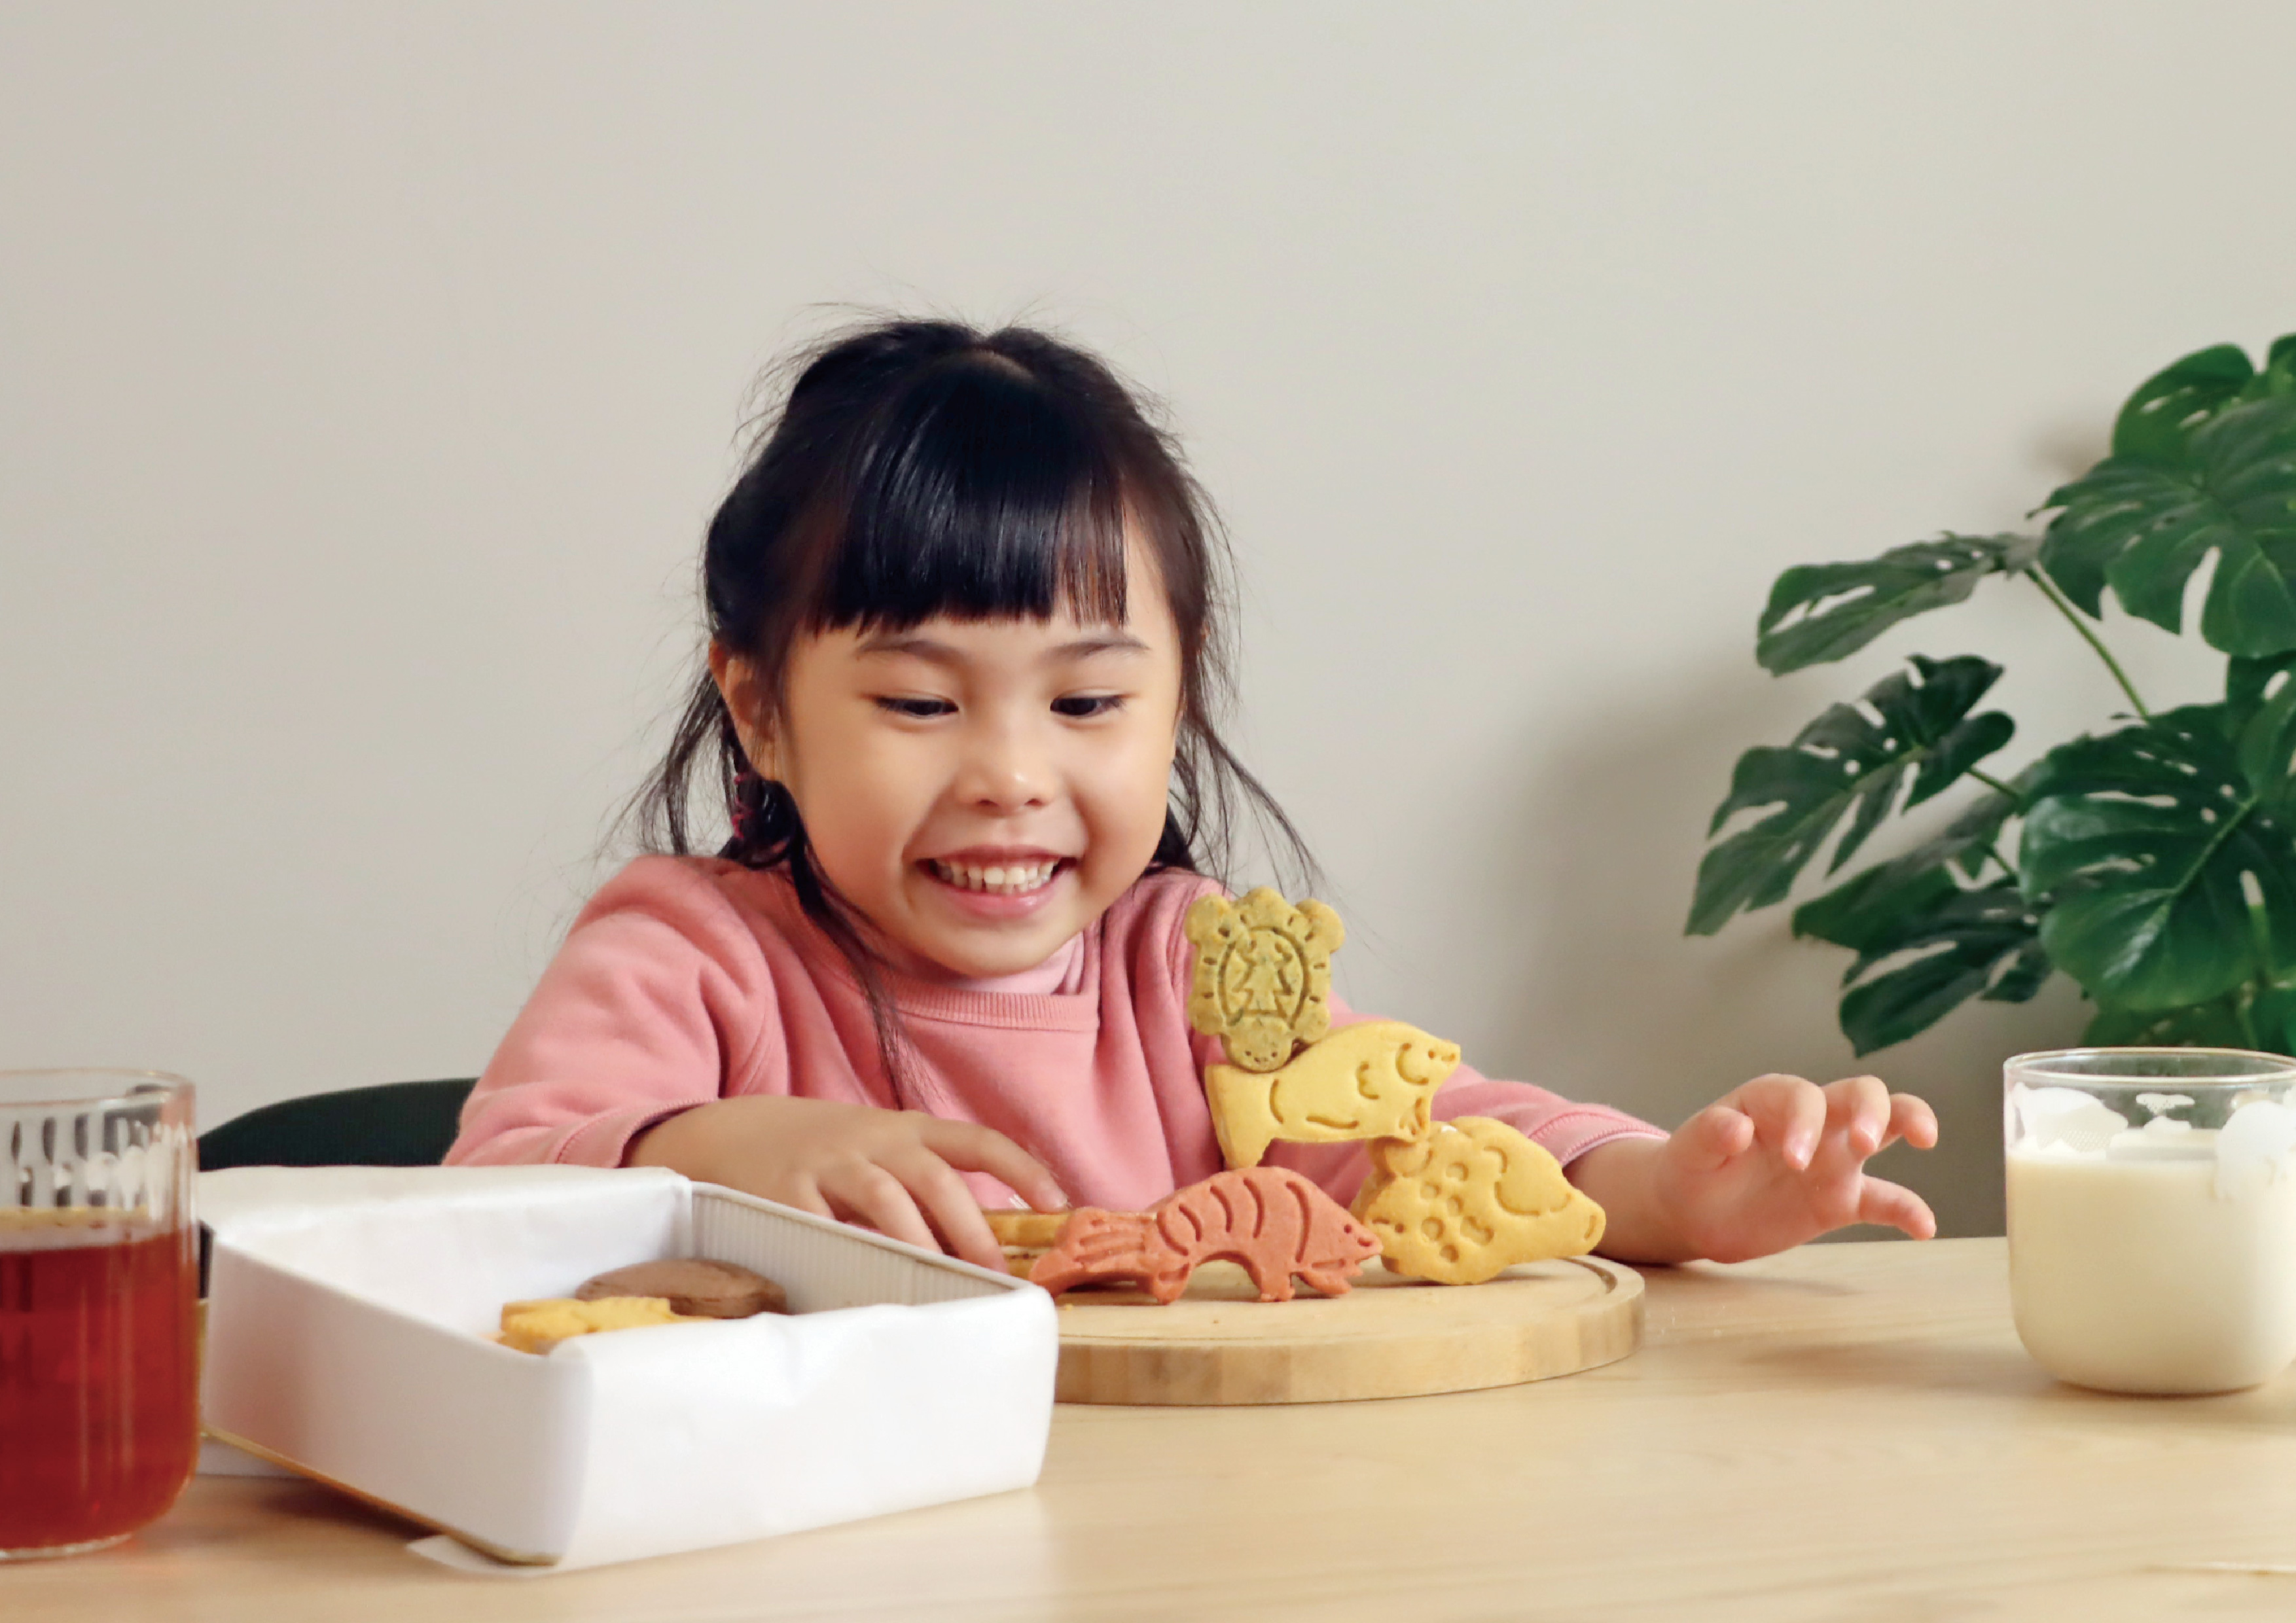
(922, 468)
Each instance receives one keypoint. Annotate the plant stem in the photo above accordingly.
(1998, 786)
(2014, 798)
(2040, 578)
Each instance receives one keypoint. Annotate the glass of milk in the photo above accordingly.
(2152, 1215)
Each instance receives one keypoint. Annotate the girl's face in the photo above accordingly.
(979, 790)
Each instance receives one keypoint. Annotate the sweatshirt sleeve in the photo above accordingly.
(660, 994)
(1562, 1128)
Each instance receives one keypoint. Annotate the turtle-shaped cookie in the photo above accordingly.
(1263, 982)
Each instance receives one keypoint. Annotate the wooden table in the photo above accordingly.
(1848, 1431)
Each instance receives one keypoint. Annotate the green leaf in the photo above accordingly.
(1975, 943)
(1860, 910)
(2278, 375)
(1852, 759)
(1967, 942)
(2249, 1017)
(2078, 572)
(1971, 944)
(1958, 751)
(2147, 841)
(2268, 748)
(1866, 909)
(2272, 1020)
(2248, 683)
(2161, 417)
(2217, 1024)
(1823, 611)
(2143, 527)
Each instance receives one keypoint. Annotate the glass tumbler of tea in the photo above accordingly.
(99, 1276)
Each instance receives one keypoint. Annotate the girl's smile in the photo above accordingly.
(1000, 883)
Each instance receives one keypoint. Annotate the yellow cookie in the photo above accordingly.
(1263, 979)
(1374, 1080)
(1029, 1231)
(1472, 1198)
(537, 1327)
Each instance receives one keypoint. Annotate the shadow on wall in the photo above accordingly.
(1608, 841)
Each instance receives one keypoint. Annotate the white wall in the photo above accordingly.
(366, 374)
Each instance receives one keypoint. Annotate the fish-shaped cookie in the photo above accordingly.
(1373, 1080)
(1470, 1199)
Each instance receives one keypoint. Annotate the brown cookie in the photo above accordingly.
(695, 1287)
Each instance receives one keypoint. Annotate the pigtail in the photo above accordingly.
(763, 831)
(1212, 793)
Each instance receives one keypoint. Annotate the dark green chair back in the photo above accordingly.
(400, 1124)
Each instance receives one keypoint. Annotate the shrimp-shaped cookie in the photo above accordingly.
(1272, 1221)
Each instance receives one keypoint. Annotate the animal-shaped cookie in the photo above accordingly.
(1263, 982)
(1373, 1080)
(1472, 1198)
(694, 1287)
(537, 1327)
(1271, 1219)
(1025, 1236)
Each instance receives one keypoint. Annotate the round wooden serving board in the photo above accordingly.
(1389, 1336)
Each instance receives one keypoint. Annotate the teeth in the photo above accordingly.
(1004, 879)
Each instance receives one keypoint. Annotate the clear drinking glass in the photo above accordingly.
(98, 1274)
(2152, 1215)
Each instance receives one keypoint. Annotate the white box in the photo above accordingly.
(345, 1337)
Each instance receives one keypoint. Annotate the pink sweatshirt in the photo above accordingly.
(691, 978)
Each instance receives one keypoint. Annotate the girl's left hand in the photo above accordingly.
(1770, 1165)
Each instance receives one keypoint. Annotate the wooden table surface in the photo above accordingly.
(1847, 1431)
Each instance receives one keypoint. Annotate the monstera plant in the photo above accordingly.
(2154, 861)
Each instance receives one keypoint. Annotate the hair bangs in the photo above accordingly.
(979, 495)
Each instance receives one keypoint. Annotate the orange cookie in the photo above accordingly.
(1472, 1198)
(695, 1287)
(1373, 1080)
(1272, 1220)
(1263, 977)
(537, 1327)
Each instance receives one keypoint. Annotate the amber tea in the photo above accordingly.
(99, 1417)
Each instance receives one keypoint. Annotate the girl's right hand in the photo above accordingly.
(895, 1171)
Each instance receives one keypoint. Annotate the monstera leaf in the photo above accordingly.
(1965, 941)
(2248, 682)
(2166, 853)
(2156, 425)
(1853, 759)
(1983, 942)
(2240, 1019)
(2155, 862)
(1965, 845)
(1822, 611)
(2142, 526)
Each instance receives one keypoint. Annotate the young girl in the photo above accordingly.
(964, 659)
